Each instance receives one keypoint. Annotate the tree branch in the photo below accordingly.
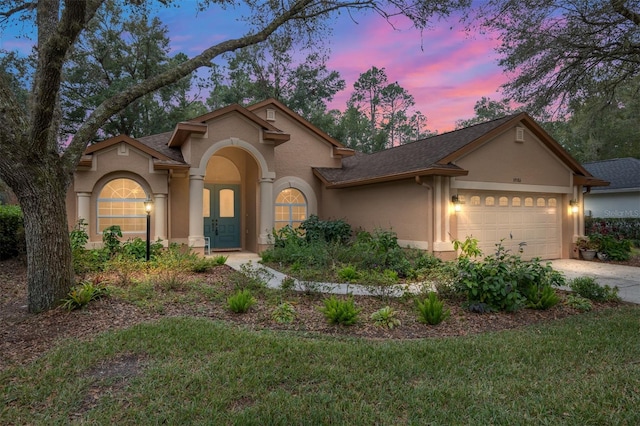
(619, 7)
(26, 6)
(118, 102)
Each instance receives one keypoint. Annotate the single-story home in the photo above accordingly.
(622, 197)
(227, 179)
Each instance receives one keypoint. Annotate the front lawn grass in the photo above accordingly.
(580, 370)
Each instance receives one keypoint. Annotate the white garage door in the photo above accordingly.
(534, 219)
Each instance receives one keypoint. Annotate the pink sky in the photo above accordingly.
(446, 70)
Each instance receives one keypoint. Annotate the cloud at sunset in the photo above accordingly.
(445, 68)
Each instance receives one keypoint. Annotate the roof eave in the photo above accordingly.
(394, 177)
(183, 131)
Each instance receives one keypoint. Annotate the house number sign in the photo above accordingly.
(517, 179)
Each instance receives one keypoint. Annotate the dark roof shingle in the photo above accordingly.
(623, 173)
(418, 156)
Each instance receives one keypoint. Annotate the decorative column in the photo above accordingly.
(84, 206)
(196, 225)
(160, 207)
(266, 210)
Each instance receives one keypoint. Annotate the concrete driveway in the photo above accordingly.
(626, 278)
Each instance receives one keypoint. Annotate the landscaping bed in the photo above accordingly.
(25, 336)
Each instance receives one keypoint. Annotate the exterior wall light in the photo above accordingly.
(457, 204)
(148, 205)
(575, 207)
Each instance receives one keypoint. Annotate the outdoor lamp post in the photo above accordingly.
(148, 204)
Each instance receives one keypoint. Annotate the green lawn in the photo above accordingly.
(581, 370)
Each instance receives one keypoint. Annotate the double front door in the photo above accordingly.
(221, 213)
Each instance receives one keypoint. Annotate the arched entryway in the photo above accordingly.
(235, 207)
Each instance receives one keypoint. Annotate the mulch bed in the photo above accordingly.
(24, 336)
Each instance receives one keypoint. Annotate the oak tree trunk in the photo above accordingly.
(50, 273)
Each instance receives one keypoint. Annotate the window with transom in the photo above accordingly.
(290, 208)
(121, 202)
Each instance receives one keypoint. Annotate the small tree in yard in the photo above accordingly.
(39, 172)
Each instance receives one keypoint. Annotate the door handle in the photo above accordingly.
(215, 226)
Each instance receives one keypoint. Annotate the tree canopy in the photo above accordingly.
(561, 51)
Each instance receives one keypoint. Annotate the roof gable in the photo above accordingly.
(198, 125)
(155, 146)
(339, 148)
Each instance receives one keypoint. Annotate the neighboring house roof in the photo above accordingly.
(435, 156)
(623, 173)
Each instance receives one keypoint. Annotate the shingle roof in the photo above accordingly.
(159, 143)
(417, 157)
(623, 173)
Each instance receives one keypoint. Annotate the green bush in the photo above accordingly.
(589, 288)
(579, 303)
(12, 241)
(337, 311)
(348, 274)
(241, 301)
(542, 298)
(82, 294)
(111, 239)
(385, 317)
(137, 248)
(284, 313)
(613, 248)
(503, 281)
(431, 310)
(330, 231)
(491, 281)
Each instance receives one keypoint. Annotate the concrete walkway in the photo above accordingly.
(626, 278)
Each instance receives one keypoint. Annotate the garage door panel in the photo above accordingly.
(533, 219)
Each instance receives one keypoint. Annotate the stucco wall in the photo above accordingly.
(302, 152)
(503, 160)
(402, 207)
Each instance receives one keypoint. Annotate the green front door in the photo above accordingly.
(222, 215)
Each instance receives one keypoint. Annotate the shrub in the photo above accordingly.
(589, 288)
(111, 239)
(544, 297)
(12, 241)
(338, 311)
(614, 248)
(385, 317)
(330, 231)
(491, 281)
(579, 303)
(431, 310)
(284, 313)
(468, 248)
(241, 301)
(82, 294)
(348, 274)
(627, 228)
(137, 248)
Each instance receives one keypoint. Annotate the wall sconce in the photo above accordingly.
(457, 204)
(574, 206)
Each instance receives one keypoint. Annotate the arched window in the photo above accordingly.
(121, 202)
(291, 208)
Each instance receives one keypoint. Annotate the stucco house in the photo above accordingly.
(226, 179)
(622, 197)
